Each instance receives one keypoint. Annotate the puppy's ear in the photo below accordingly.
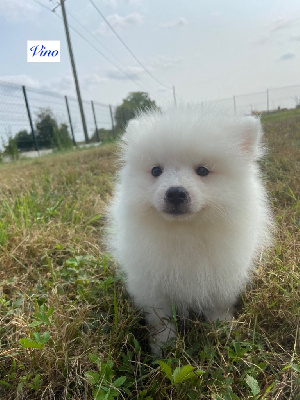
(251, 136)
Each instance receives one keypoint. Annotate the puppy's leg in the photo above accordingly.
(219, 313)
(158, 311)
(161, 329)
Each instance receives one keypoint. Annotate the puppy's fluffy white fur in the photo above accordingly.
(202, 257)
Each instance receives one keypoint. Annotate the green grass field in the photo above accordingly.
(68, 329)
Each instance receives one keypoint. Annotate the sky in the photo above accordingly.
(207, 49)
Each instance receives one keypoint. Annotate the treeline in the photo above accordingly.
(49, 134)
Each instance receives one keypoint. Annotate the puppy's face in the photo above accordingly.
(178, 191)
(179, 167)
(182, 185)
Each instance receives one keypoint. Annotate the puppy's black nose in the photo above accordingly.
(176, 195)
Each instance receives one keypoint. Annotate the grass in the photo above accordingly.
(281, 115)
(67, 327)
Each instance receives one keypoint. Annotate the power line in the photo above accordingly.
(42, 5)
(94, 47)
(98, 51)
(94, 36)
(103, 55)
(127, 48)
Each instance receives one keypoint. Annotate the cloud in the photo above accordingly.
(260, 41)
(59, 84)
(131, 72)
(133, 2)
(286, 56)
(93, 79)
(21, 80)
(295, 38)
(18, 10)
(174, 24)
(111, 3)
(277, 25)
(114, 3)
(117, 21)
(283, 23)
(166, 62)
(65, 84)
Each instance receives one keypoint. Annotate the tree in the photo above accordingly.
(24, 141)
(62, 139)
(46, 126)
(134, 103)
(105, 135)
(11, 148)
(49, 134)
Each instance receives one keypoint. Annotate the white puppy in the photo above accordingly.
(190, 214)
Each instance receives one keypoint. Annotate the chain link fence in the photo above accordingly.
(261, 102)
(15, 117)
(20, 119)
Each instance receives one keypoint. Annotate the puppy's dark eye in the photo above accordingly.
(202, 171)
(156, 171)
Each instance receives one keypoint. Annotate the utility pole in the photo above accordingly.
(74, 71)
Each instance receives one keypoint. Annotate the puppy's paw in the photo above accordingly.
(159, 336)
(218, 314)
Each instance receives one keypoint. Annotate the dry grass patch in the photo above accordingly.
(67, 328)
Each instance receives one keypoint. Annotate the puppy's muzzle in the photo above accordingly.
(177, 200)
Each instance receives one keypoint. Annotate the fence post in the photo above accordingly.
(234, 105)
(30, 121)
(268, 100)
(70, 121)
(112, 121)
(97, 132)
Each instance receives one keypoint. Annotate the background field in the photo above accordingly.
(67, 328)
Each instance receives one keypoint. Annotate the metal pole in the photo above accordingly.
(112, 120)
(174, 96)
(97, 132)
(30, 121)
(268, 100)
(234, 105)
(70, 121)
(74, 71)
